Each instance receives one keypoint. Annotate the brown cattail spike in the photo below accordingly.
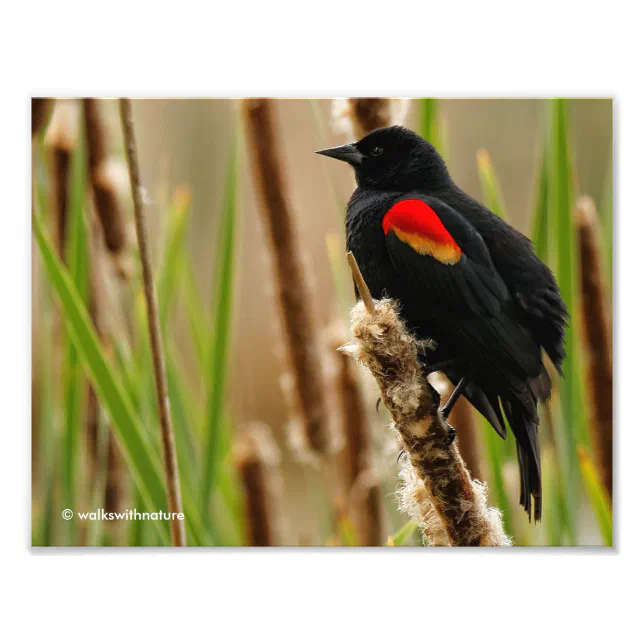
(294, 294)
(597, 336)
(361, 480)
(359, 116)
(60, 140)
(455, 508)
(97, 297)
(105, 187)
(256, 459)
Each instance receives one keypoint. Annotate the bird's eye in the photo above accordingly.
(377, 151)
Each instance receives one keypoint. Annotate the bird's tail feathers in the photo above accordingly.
(524, 424)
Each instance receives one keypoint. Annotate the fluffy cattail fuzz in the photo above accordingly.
(304, 378)
(597, 336)
(104, 177)
(458, 503)
(256, 459)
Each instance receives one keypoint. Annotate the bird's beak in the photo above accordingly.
(348, 153)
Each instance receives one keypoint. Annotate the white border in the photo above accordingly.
(320, 49)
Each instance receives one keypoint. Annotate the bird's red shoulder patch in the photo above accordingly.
(416, 224)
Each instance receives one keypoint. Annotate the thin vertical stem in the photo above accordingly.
(154, 328)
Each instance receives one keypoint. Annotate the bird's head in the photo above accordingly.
(393, 158)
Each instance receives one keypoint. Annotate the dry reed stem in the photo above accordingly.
(256, 458)
(597, 336)
(362, 484)
(40, 112)
(173, 489)
(359, 116)
(438, 490)
(102, 176)
(306, 391)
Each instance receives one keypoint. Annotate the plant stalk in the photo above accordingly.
(173, 489)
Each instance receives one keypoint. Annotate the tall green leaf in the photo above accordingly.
(431, 127)
(598, 497)
(404, 534)
(216, 437)
(492, 196)
(144, 466)
(74, 385)
(561, 232)
(540, 210)
(171, 266)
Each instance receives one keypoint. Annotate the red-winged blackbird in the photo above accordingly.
(464, 278)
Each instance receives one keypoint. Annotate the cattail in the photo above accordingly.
(104, 176)
(304, 381)
(40, 112)
(362, 483)
(61, 138)
(453, 508)
(169, 452)
(256, 459)
(359, 116)
(597, 336)
(114, 474)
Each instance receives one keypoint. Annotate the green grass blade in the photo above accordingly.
(183, 421)
(598, 497)
(540, 211)
(171, 266)
(492, 196)
(404, 534)
(496, 454)
(143, 465)
(197, 317)
(431, 127)
(74, 385)
(564, 242)
(222, 304)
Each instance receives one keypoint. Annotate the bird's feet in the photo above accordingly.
(451, 432)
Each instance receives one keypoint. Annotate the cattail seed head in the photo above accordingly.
(361, 479)
(359, 116)
(257, 460)
(105, 178)
(60, 140)
(597, 336)
(303, 380)
(383, 344)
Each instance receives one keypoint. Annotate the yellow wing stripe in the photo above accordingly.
(444, 253)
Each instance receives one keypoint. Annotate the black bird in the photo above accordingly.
(464, 278)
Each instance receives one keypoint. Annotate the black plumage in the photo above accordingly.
(464, 278)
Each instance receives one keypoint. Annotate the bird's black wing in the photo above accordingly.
(444, 261)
